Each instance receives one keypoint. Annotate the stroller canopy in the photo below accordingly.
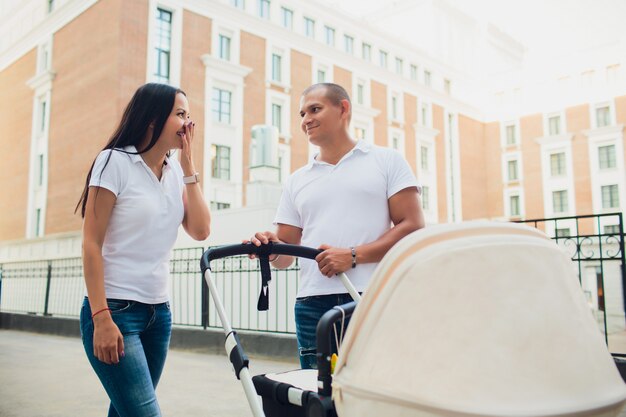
(480, 319)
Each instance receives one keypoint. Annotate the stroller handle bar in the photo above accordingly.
(260, 251)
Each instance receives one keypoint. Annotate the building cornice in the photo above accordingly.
(41, 80)
(366, 111)
(554, 139)
(607, 132)
(425, 133)
(216, 64)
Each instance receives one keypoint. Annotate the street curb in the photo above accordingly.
(274, 346)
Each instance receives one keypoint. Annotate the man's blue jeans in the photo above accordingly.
(308, 311)
(131, 383)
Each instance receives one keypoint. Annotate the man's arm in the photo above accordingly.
(285, 233)
(406, 214)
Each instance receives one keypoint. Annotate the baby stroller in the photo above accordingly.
(474, 319)
(299, 398)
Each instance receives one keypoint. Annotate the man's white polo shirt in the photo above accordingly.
(343, 205)
(143, 225)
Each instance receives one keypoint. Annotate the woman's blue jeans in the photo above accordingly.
(308, 311)
(131, 383)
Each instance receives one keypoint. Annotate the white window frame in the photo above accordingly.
(369, 49)
(423, 104)
(346, 37)
(304, 27)
(319, 64)
(546, 123)
(44, 56)
(284, 153)
(328, 28)
(285, 64)
(367, 99)
(283, 9)
(234, 35)
(399, 96)
(283, 100)
(510, 192)
(601, 177)
(503, 132)
(594, 121)
(506, 158)
(398, 134)
(177, 39)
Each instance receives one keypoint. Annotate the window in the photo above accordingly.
(557, 164)
(321, 76)
(447, 86)
(240, 4)
(425, 115)
(382, 59)
(264, 9)
(359, 133)
(287, 17)
(395, 143)
(554, 125)
(40, 170)
(309, 27)
(216, 205)
(366, 51)
(559, 201)
(424, 158)
(413, 72)
(163, 45)
(43, 62)
(611, 229)
(610, 196)
(562, 232)
(38, 223)
(394, 108)
(427, 78)
(603, 116)
(50, 6)
(360, 93)
(514, 205)
(277, 68)
(224, 47)
(511, 138)
(512, 173)
(330, 35)
(220, 162)
(606, 155)
(277, 121)
(221, 105)
(425, 197)
(42, 115)
(348, 43)
(399, 66)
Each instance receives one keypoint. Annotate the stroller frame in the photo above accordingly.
(320, 400)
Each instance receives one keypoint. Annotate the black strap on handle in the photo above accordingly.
(263, 252)
(266, 276)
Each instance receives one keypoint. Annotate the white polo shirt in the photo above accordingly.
(143, 225)
(343, 205)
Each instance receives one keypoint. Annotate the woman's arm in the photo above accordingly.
(197, 220)
(108, 342)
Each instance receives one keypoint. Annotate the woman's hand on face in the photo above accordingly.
(108, 342)
(185, 155)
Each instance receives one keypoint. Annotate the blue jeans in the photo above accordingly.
(308, 311)
(131, 383)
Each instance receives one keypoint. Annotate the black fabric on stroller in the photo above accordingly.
(295, 393)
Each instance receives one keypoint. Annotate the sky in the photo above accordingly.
(548, 28)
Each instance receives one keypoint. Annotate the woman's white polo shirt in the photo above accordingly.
(143, 225)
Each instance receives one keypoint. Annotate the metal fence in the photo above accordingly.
(595, 244)
(56, 288)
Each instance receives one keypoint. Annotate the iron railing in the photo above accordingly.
(595, 243)
(56, 288)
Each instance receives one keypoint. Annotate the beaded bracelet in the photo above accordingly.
(100, 311)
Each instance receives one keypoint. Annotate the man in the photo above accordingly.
(342, 202)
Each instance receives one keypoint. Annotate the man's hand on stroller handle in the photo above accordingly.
(333, 261)
(263, 238)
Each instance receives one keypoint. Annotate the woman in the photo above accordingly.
(134, 200)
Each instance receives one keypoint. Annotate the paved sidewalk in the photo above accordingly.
(49, 376)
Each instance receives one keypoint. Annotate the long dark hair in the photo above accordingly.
(152, 104)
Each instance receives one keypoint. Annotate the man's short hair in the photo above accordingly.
(334, 92)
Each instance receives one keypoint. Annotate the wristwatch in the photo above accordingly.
(192, 179)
